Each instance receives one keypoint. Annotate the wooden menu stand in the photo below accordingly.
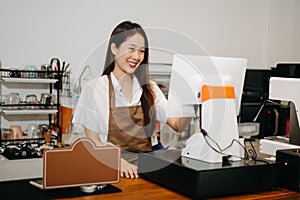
(81, 164)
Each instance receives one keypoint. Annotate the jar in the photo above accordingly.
(17, 132)
(14, 99)
(7, 134)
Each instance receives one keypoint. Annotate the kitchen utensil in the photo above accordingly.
(7, 134)
(64, 70)
(49, 71)
(47, 136)
(44, 69)
(22, 104)
(43, 127)
(27, 71)
(14, 73)
(46, 100)
(17, 132)
(32, 131)
(31, 99)
(12, 99)
(2, 99)
(57, 66)
(2, 102)
(63, 66)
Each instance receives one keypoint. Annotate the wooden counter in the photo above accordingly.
(143, 189)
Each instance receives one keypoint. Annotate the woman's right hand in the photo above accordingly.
(128, 170)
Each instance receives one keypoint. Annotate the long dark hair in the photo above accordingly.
(118, 36)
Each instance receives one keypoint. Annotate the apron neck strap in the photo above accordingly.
(112, 102)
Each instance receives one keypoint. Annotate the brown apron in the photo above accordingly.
(126, 126)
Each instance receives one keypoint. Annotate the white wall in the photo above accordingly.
(284, 27)
(297, 32)
(34, 31)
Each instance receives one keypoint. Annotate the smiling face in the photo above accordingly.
(129, 55)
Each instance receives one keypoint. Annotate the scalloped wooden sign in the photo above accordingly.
(81, 164)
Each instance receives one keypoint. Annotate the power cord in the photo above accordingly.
(250, 154)
(198, 110)
(219, 149)
(251, 151)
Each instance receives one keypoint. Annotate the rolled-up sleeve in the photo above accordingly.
(92, 110)
(160, 104)
(85, 113)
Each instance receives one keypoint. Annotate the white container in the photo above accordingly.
(248, 129)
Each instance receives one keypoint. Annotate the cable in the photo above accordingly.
(251, 151)
(205, 134)
(220, 150)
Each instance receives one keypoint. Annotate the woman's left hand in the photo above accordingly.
(128, 170)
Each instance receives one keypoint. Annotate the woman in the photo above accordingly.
(123, 105)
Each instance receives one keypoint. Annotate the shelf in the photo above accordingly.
(28, 80)
(27, 112)
(19, 80)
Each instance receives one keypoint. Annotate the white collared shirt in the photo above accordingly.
(92, 109)
(121, 100)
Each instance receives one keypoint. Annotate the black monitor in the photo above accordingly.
(256, 85)
(287, 70)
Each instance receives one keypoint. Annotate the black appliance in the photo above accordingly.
(201, 180)
(255, 105)
(289, 168)
(288, 70)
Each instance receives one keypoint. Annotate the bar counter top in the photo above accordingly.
(143, 189)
